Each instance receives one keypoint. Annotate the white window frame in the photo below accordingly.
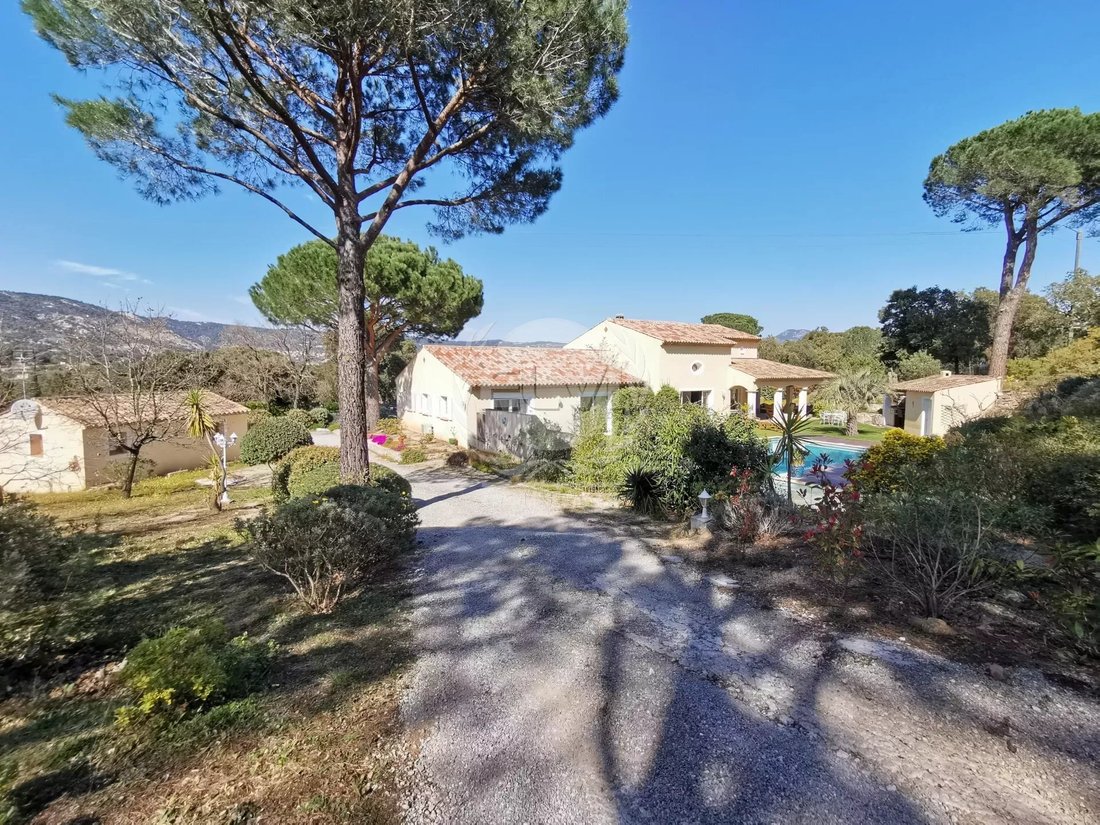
(444, 404)
(517, 400)
(425, 406)
(704, 397)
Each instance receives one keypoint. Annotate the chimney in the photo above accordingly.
(619, 317)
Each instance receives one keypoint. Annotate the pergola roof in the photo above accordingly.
(774, 372)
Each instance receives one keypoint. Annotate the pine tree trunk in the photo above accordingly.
(373, 394)
(354, 458)
(1013, 287)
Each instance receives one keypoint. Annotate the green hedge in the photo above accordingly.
(271, 439)
(310, 471)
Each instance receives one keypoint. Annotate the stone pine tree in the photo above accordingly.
(734, 320)
(407, 291)
(1027, 175)
(372, 105)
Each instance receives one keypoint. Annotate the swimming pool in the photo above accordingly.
(837, 453)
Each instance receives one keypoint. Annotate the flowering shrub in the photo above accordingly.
(836, 527)
(883, 467)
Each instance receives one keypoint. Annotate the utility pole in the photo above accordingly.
(1077, 255)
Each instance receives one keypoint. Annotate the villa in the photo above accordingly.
(708, 364)
(482, 396)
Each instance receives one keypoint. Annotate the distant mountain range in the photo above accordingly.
(44, 324)
(791, 335)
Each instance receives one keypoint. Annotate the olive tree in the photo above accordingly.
(1027, 175)
(355, 100)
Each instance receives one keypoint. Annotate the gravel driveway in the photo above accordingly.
(566, 674)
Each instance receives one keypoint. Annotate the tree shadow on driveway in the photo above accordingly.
(569, 675)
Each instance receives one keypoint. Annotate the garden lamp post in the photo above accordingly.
(704, 497)
(224, 443)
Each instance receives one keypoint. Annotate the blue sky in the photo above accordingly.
(763, 158)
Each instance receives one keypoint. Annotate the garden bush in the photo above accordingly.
(389, 426)
(685, 447)
(310, 471)
(883, 468)
(458, 459)
(326, 545)
(320, 416)
(641, 490)
(272, 439)
(35, 556)
(300, 417)
(255, 416)
(752, 512)
(627, 403)
(413, 455)
(191, 668)
(386, 479)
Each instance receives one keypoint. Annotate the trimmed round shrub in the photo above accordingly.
(386, 479)
(258, 415)
(301, 417)
(320, 416)
(458, 459)
(325, 545)
(271, 439)
(312, 481)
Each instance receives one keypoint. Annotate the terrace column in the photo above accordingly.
(754, 408)
(777, 405)
(887, 410)
(803, 401)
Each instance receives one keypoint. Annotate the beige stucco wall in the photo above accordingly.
(557, 406)
(658, 364)
(949, 407)
(75, 457)
(178, 451)
(59, 469)
(428, 375)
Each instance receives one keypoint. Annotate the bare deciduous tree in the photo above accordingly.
(130, 385)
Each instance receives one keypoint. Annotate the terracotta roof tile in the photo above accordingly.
(675, 332)
(516, 366)
(935, 383)
(168, 406)
(764, 369)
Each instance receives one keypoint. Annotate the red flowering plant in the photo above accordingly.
(836, 520)
(743, 510)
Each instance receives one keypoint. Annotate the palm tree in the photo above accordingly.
(792, 442)
(853, 393)
(200, 424)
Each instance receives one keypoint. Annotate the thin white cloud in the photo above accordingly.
(243, 300)
(107, 272)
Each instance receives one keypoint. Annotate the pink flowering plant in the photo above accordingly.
(836, 523)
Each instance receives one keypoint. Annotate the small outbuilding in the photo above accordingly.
(61, 444)
(933, 405)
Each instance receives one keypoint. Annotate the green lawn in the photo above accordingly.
(867, 432)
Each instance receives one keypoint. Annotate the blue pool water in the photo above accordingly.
(837, 456)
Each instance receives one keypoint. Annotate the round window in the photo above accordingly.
(697, 366)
